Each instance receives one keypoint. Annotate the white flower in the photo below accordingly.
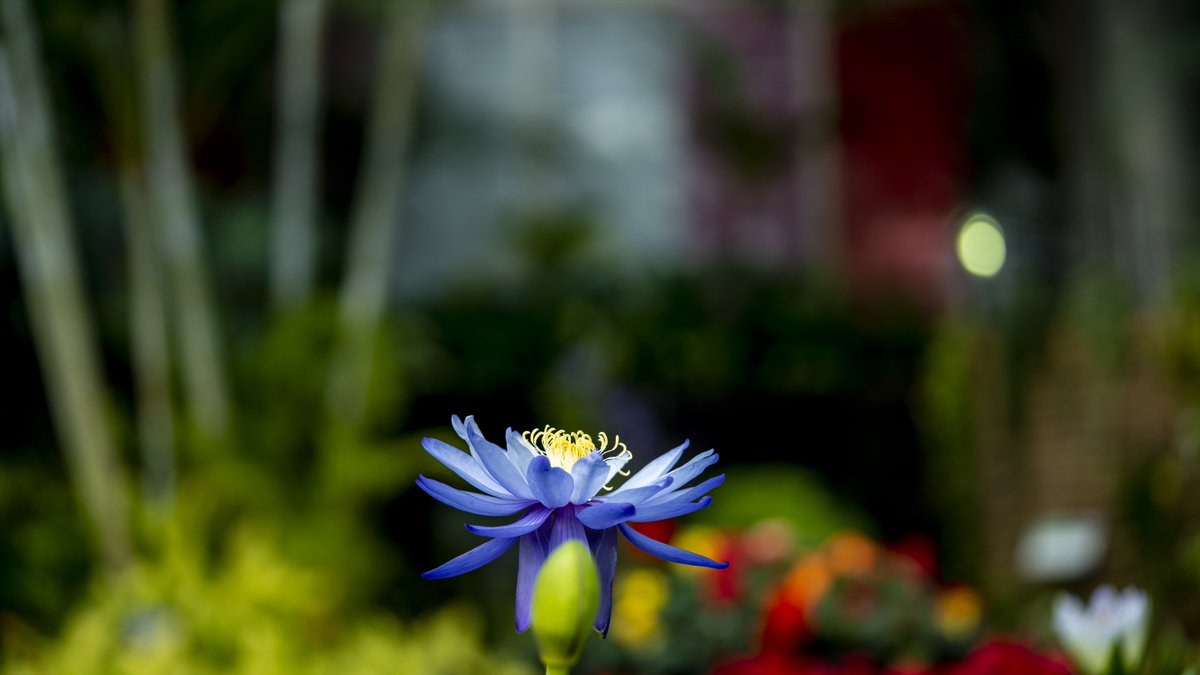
(1111, 620)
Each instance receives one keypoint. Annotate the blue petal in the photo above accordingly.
(590, 474)
(480, 505)
(463, 427)
(684, 474)
(566, 528)
(688, 494)
(471, 560)
(459, 427)
(532, 554)
(464, 466)
(666, 552)
(519, 452)
(603, 515)
(526, 524)
(637, 496)
(605, 554)
(496, 462)
(669, 510)
(655, 469)
(550, 485)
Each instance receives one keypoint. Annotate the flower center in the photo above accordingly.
(564, 448)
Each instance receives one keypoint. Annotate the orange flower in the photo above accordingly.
(851, 554)
(807, 582)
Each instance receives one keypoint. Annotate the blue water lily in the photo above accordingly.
(561, 485)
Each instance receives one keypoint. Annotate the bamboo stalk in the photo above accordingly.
(149, 345)
(295, 205)
(49, 268)
(173, 214)
(376, 213)
(148, 326)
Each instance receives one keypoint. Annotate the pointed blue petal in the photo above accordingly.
(666, 552)
(687, 495)
(532, 553)
(520, 453)
(655, 469)
(480, 505)
(496, 462)
(605, 554)
(566, 528)
(550, 485)
(637, 496)
(526, 524)
(603, 515)
(463, 465)
(462, 427)
(669, 510)
(590, 474)
(471, 560)
(684, 474)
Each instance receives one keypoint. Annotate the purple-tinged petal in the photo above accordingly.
(526, 524)
(604, 552)
(669, 510)
(658, 467)
(480, 505)
(688, 494)
(566, 528)
(603, 515)
(637, 496)
(666, 552)
(550, 485)
(590, 474)
(496, 462)
(520, 453)
(532, 553)
(471, 560)
(463, 465)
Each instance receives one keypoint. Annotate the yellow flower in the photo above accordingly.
(958, 612)
(640, 597)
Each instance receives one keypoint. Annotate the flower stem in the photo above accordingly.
(558, 670)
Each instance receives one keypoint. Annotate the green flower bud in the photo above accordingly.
(565, 597)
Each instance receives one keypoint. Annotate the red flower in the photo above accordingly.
(785, 627)
(1008, 658)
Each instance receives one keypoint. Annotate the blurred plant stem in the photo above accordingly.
(148, 331)
(297, 118)
(375, 214)
(45, 249)
(148, 328)
(172, 211)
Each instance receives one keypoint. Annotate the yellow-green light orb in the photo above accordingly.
(981, 248)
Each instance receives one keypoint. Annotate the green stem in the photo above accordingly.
(558, 670)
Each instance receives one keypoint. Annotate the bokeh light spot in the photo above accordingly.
(981, 248)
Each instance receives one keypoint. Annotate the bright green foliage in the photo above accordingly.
(250, 611)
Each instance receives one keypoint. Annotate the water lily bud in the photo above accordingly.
(565, 598)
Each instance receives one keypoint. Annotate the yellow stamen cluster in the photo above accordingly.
(564, 448)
